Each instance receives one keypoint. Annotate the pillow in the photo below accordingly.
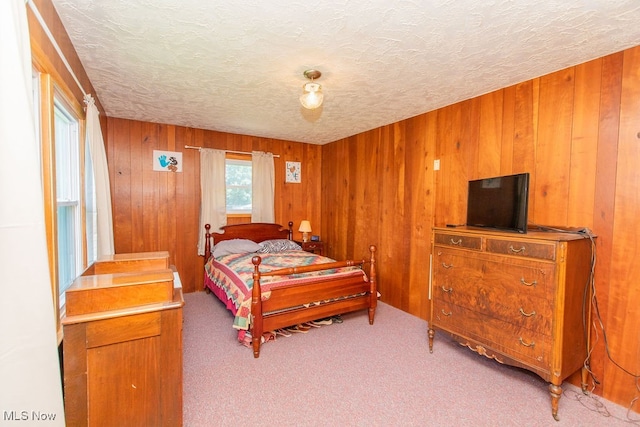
(278, 245)
(234, 246)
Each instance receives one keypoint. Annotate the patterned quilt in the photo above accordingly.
(233, 276)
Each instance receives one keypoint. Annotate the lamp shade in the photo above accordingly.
(312, 96)
(305, 226)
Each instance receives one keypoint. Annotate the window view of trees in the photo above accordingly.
(238, 181)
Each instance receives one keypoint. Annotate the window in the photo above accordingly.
(238, 186)
(68, 197)
(68, 185)
(67, 181)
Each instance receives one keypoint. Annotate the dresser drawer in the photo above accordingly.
(514, 341)
(526, 278)
(533, 314)
(469, 242)
(520, 248)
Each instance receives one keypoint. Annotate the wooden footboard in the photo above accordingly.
(327, 296)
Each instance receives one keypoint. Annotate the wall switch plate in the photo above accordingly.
(436, 165)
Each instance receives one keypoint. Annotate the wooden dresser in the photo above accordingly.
(122, 345)
(515, 298)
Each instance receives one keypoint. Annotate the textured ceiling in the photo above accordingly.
(237, 66)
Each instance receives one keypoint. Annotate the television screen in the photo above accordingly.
(500, 202)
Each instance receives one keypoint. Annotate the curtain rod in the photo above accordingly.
(53, 41)
(226, 151)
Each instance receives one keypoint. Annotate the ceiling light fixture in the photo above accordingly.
(312, 96)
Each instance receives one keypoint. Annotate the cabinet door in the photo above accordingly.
(123, 383)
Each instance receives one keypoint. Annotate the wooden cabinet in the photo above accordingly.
(516, 298)
(122, 345)
(314, 247)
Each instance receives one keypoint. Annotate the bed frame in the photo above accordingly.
(289, 305)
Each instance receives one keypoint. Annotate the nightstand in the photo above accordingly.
(315, 247)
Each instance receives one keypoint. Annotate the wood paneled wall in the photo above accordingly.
(377, 188)
(160, 210)
(577, 131)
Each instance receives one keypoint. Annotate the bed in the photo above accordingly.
(282, 285)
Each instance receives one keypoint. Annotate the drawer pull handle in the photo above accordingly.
(531, 344)
(456, 242)
(533, 313)
(447, 290)
(524, 282)
(516, 251)
(445, 313)
(445, 265)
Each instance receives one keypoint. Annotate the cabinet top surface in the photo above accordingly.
(113, 280)
(136, 256)
(540, 235)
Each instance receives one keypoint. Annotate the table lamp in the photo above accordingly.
(305, 228)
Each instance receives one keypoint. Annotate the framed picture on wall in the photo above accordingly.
(167, 161)
(293, 172)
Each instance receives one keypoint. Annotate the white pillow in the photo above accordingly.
(234, 246)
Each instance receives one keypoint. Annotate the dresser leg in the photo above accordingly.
(432, 333)
(556, 392)
(585, 380)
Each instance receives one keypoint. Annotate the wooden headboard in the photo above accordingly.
(256, 231)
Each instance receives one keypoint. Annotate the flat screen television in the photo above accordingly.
(500, 203)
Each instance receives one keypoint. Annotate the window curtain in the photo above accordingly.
(29, 364)
(213, 204)
(101, 177)
(262, 187)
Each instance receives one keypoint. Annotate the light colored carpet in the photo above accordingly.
(354, 374)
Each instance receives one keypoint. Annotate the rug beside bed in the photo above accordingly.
(244, 337)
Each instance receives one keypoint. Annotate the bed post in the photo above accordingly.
(374, 285)
(290, 230)
(256, 308)
(207, 242)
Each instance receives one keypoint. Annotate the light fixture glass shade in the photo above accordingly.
(312, 96)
